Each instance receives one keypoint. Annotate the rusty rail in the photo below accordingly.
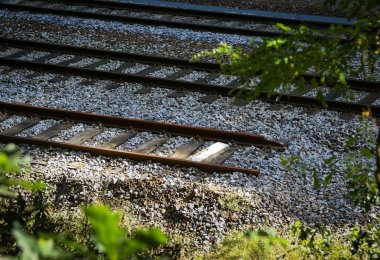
(135, 124)
(139, 124)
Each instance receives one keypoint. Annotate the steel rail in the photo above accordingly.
(108, 54)
(135, 124)
(191, 86)
(361, 85)
(142, 125)
(145, 21)
(200, 13)
(207, 167)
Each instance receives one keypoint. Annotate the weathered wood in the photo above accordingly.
(233, 84)
(221, 157)
(147, 71)
(96, 64)
(57, 79)
(210, 152)
(53, 131)
(187, 149)
(3, 117)
(18, 54)
(240, 102)
(118, 140)
(113, 86)
(143, 90)
(208, 98)
(21, 126)
(208, 78)
(46, 57)
(82, 137)
(123, 67)
(151, 145)
(334, 94)
(176, 94)
(370, 98)
(70, 61)
(179, 74)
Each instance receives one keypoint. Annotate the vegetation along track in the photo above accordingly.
(148, 65)
(192, 154)
(201, 20)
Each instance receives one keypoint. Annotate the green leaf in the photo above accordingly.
(5, 192)
(33, 249)
(350, 141)
(366, 153)
(317, 181)
(330, 160)
(27, 244)
(152, 237)
(283, 27)
(328, 179)
(109, 237)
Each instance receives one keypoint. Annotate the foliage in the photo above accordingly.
(10, 163)
(109, 237)
(13, 208)
(303, 242)
(231, 201)
(250, 245)
(112, 239)
(285, 63)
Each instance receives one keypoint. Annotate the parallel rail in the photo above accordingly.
(115, 11)
(132, 125)
(299, 100)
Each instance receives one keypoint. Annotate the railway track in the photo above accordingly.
(194, 153)
(201, 20)
(136, 68)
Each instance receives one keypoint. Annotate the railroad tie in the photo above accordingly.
(33, 75)
(113, 86)
(334, 94)
(47, 57)
(96, 64)
(210, 153)
(234, 83)
(179, 74)
(82, 137)
(367, 100)
(70, 61)
(123, 67)
(58, 79)
(209, 77)
(143, 90)
(18, 54)
(222, 157)
(176, 94)
(147, 71)
(3, 117)
(209, 98)
(53, 131)
(370, 98)
(185, 150)
(118, 140)
(27, 123)
(151, 145)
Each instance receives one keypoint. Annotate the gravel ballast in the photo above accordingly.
(181, 200)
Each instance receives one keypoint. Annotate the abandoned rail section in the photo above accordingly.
(173, 81)
(201, 20)
(208, 159)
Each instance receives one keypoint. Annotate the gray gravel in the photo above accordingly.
(157, 192)
(116, 26)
